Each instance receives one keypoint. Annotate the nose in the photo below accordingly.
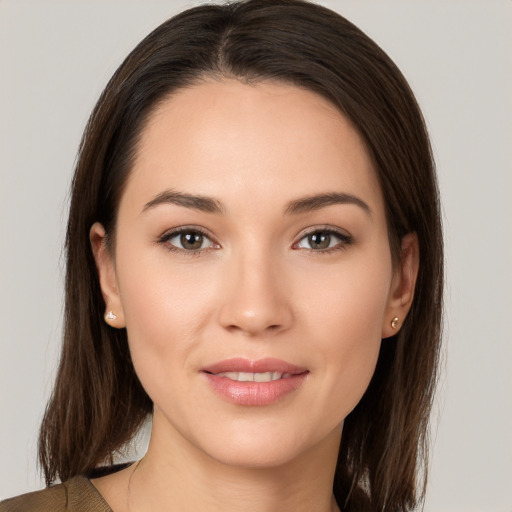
(256, 300)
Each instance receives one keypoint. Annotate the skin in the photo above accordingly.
(257, 288)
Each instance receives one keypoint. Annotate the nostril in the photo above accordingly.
(253, 329)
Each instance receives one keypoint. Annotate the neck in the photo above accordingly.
(177, 474)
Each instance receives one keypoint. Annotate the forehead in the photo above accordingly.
(265, 141)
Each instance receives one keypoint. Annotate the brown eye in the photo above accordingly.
(323, 240)
(320, 240)
(190, 240)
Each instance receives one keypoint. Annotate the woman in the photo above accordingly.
(255, 260)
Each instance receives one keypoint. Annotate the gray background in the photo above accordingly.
(55, 58)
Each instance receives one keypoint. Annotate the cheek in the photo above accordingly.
(350, 300)
(165, 307)
(346, 322)
(156, 292)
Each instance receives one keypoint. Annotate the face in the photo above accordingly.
(252, 271)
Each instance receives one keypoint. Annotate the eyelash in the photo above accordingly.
(345, 240)
(169, 235)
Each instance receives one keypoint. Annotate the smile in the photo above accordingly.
(254, 377)
(254, 383)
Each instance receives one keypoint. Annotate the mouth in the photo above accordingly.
(254, 377)
(254, 383)
(242, 366)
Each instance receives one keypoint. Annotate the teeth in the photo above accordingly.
(253, 377)
(229, 375)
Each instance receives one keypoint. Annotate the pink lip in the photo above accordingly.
(239, 364)
(254, 393)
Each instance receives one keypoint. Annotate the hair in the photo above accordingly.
(98, 403)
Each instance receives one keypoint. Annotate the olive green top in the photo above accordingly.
(75, 495)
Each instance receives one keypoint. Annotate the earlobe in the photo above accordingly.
(403, 286)
(114, 314)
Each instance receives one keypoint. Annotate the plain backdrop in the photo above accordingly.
(55, 58)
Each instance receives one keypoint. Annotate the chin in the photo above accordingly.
(255, 456)
(266, 448)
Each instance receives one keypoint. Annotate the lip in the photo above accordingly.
(251, 393)
(239, 364)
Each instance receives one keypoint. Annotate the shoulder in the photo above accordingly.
(75, 495)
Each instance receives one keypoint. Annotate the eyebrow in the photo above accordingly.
(195, 202)
(297, 206)
(316, 202)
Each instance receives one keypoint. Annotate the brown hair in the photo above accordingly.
(98, 402)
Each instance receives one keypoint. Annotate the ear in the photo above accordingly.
(401, 292)
(114, 314)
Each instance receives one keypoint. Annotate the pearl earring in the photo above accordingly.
(394, 322)
(110, 316)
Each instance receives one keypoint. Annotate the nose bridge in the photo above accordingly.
(256, 301)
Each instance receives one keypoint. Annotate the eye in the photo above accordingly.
(323, 240)
(190, 240)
